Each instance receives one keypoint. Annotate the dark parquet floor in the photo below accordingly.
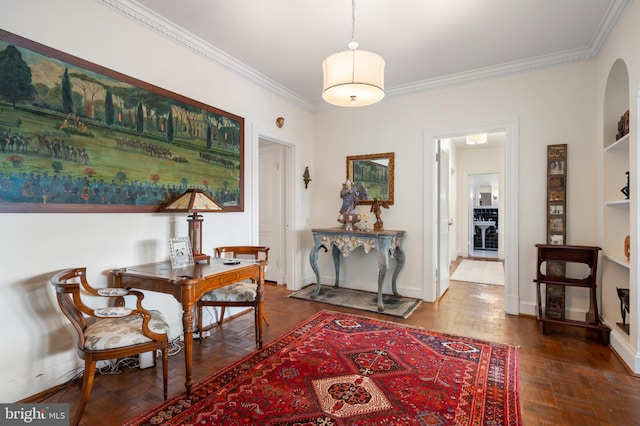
(566, 377)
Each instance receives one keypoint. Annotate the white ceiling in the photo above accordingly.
(281, 44)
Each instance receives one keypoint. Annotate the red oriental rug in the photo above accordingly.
(342, 369)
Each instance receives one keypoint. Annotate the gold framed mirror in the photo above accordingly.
(372, 176)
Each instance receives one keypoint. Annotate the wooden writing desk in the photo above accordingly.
(187, 285)
(386, 243)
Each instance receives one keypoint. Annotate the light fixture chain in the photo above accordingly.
(353, 20)
(353, 45)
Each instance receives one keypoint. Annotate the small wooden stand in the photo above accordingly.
(587, 255)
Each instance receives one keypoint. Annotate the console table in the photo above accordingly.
(341, 241)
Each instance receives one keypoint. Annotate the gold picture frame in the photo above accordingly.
(372, 176)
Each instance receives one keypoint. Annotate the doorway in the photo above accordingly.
(274, 212)
(507, 196)
(485, 216)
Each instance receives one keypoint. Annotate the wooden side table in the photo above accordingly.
(587, 255)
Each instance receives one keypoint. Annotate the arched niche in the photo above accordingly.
(616, 100)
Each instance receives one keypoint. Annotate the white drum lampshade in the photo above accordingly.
(353, 78)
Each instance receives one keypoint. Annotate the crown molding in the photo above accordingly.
(150, 19)
(610, 20)
(155, 22)
(492, 72)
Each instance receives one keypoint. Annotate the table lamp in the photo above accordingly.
(194, 201)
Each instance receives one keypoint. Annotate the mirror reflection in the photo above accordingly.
(484, 196)
(372, 176)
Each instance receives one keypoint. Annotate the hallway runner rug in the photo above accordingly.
(480, 271)
(343, 369)
(396, 306)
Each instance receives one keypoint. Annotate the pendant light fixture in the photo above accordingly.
(353, 78)
(477, 139)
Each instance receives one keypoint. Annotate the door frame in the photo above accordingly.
(443, 252)
(430, 199)
(289, 195)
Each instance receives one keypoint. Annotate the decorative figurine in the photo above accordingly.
(365, 217)
(349, 203)
(376, 210)
(625, 189)
(627, 247)
(623, 295)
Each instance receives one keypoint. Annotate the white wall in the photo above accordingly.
(553, 106)
(40, 349)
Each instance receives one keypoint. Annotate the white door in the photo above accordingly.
(271, 206)
(444, 262)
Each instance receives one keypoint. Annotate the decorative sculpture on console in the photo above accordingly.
(376, 210)
(349, 203)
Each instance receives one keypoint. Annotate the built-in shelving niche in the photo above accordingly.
(618, 218)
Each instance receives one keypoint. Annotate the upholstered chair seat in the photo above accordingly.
(240, 294)
(111, 332)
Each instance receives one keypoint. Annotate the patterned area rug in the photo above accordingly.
(396, 306)
(480, 271)
(341, 369)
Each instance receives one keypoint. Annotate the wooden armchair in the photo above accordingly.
(237, 294)
(109, 332)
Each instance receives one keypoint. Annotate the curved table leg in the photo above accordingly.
(313, 260)
(383, 264)
(399, 256)
(335, 252)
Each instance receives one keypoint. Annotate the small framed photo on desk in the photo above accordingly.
(180, 251)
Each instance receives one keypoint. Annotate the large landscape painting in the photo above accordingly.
(77, 137)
